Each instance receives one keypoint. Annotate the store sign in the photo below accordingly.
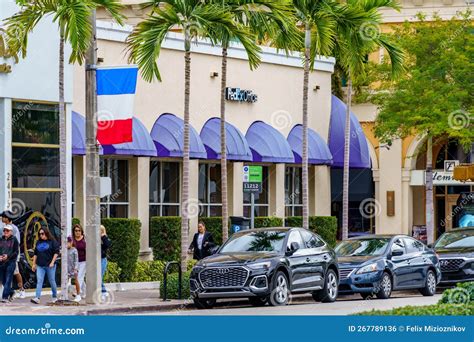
(439, 178)
(240, 95)
(450, 164)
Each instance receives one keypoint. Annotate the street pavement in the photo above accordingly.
(305, 305)
(148, 302)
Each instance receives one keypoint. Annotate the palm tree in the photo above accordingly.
(266, 19)
(74, 27)
(196, 19)
(353, 43)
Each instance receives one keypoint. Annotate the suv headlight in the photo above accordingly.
(260, 265)
(367, 269)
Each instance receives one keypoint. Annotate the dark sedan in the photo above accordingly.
(455, 250)
(266, 265)
(379, 264)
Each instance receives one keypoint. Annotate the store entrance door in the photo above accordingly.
(451, 212)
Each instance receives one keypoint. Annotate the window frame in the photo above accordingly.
(160, 204)
(107, 203)
(205, 207)
(292, 206)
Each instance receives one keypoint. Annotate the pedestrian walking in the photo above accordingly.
(44, 263)
(79, 242)
(8, 257)
(73, 267)
(104, 247)
(7, 218)
(202, 242)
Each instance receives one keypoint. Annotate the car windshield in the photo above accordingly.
(456, 240)
(362, 247)
(263, 241)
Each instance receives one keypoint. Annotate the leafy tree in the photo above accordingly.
(435, 97)
(196, 19)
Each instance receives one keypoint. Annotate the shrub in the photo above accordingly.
(427, 310)
(149, 271)
(75, 221)
(214, 226)
(125, 237)
(165, 237)
(268, 221)
(112, 274)
(325, 226)
(172, 286)
(463, 293)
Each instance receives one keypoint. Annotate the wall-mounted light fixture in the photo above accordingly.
(316, 88)
(214, 74)
(100, 60)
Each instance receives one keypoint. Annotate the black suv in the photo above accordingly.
(266, 265)
(455, 250)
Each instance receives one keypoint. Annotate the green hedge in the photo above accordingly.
(463, 293)
(125, 237)
(428, 310)
(268, 221)
(75, 221)
(325, 226)
(149, 271)
(165, 237)
(172, 286)
(112, 275)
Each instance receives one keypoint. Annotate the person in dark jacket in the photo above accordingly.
(44, 263)
(8, 258)
(104, 247)
(202, 243)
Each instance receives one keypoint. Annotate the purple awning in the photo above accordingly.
(318, 151)
(141, 146)
(236, 144)
(168, 136)
(359, 150)
(79, 135)
(267, 144)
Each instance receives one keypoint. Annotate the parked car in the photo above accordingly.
(455, 250)
(267, 265)
(379, 264)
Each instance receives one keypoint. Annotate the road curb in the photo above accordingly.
(136, 309)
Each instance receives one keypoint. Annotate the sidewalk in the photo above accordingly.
(120, 302)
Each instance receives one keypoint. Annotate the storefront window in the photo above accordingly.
(210, 197)
(116, 204)
(35, 170)
(261, 200)
(293, 191)
(164, 194)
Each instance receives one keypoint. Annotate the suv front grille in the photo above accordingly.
(450, 265)
(344, 272)
(222, 277)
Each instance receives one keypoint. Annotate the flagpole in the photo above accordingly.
(92, 224)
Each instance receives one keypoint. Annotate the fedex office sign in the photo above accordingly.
(240, 95)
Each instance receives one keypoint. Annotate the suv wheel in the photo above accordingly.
(430, 284)
(280, 290)
(204, 303)
(258, 301)
(329, 293)
(384, 287)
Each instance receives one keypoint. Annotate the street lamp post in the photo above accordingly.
(93, 271)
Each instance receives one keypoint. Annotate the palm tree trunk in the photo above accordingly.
(304, 157)
(62, 168)
(225, 213)
(347, 147)
(186, 148)
(429, 191)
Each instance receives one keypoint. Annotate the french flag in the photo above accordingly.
(116, 88)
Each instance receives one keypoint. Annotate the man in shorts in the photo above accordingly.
(7, 218)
